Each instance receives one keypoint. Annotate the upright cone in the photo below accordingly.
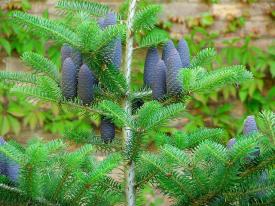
(117, 53)
(107, 130)
(184, 53)
(159, 81)
(69, 79)
(86, 83)
(112, 53)
(8, 167)
(77, 59)
(151, 61)
(110, 19)
(174, 85)
(250, 125)
(66, 52)
(167, 49)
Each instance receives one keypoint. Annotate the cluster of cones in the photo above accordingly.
(250, 127)
(78, 80)
(162, 74)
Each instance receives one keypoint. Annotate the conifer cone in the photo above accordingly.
(117, 54)
(13, 170)
(173, 83)
(69, 79)
(77, 58)
(8, 167)
(101, 22)
(3, 160)
(85, 86)
(152, 59)
(113, 51)
(231, 143)
(250, 125)
(107, 130)
(66, 51)
(263, 179)
(159, 81)
(110, 19)
(108, 51)
(167, 49)
(184, 53)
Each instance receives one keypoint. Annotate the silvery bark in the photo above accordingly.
(127, 133)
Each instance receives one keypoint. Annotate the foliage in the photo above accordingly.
(93, 8)
(255, 95)
(18, 115)
(192, 168)
(14, 39)
(51, 175)
(207, 173)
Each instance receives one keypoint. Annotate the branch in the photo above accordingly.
(20, 192)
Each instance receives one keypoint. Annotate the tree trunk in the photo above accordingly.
(127, 133)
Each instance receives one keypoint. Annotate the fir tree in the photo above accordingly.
(193, 169)
(196, 168)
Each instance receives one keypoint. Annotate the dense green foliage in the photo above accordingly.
(14, 39)
(190, 168)
(198, 171)
(255, 96)
(50, 174)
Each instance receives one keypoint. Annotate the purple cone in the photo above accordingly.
(66, 51)
(159, 81)
(101, 22)
(3, 160)
(167, 49)
(77, 58)
(263, 179)
(8, 167)
(174, 85)
(107, 130)
(112, 53)
(69, 79)
(109, 20)
(184, 53)
(86, 83)
(117, 53)
(151, 61)
(250, 125)
(69, 52)
(231, 143)
(13, 170)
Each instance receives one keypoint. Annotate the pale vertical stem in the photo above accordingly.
(127, 134)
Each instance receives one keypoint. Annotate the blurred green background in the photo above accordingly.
(241, 30)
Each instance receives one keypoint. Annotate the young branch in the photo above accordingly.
(20, 192)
